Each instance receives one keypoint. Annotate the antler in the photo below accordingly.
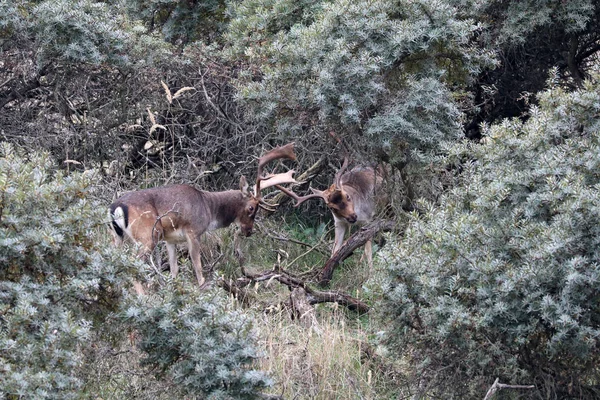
(301, 199)
(287, 152)
(277, 179)
(338, 175)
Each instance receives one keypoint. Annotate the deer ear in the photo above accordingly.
(243, 185)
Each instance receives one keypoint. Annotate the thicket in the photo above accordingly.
(502, 278)
(199, 339)
(57, 281)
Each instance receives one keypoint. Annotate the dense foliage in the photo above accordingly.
(200, 340)
(349, 66)
(503, 278)
(56, 281)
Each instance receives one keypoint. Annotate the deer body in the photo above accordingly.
(182, 214)
(359, 190)
(178, 214)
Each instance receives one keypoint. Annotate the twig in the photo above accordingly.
(308, 251)
(286, 239)
(498, 386)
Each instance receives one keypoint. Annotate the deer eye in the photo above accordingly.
(250, 208)
(348, 197)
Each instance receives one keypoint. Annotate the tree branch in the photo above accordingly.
(498, 386)
(313, 296)
(358, 239)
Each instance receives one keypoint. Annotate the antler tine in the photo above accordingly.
(338, 175)
(287, 152)
(277, 179)
(267, 206)
(299, 199)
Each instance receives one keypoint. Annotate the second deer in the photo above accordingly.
(182, 213)
(354, 197)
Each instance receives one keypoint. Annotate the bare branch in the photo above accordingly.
(499, 386)
(358, 239)
(313, 296)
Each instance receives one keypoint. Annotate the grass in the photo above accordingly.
(323, 361)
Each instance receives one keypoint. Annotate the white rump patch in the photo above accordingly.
(119, 217)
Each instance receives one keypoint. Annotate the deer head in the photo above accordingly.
(254, 200)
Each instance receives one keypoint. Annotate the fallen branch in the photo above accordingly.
(301, 308)
(313, 296)
(355, 241)
(498, 386)
(240, 293)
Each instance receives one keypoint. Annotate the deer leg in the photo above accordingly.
(139, 288)
(144, 253)
(194, 250)
(148, 238)
(340, 232)
(368, 254)
(172, 251)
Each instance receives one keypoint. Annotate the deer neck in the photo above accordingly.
(224, 207)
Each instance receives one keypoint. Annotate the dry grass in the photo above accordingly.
(319, 362)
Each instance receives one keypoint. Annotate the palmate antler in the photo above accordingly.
(263, 182)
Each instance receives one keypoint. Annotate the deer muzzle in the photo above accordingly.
(246, 231)
(352, 218)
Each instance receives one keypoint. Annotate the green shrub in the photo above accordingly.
(502, 279)
(196, 337)
(56, 278)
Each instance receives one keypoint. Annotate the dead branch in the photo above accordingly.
(313, 296)
(301, 308)
(292, 240)
(355, 241)
(240, 293)
(498, 386)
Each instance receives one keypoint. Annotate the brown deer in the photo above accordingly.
(182, 213)
(354, 197)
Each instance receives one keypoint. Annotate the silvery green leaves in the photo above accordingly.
(507, 263)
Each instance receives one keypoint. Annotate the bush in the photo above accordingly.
(197, 338)
(57, 278)
(502, 278)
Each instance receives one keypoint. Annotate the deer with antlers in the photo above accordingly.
(182, 214)
(353, 198)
